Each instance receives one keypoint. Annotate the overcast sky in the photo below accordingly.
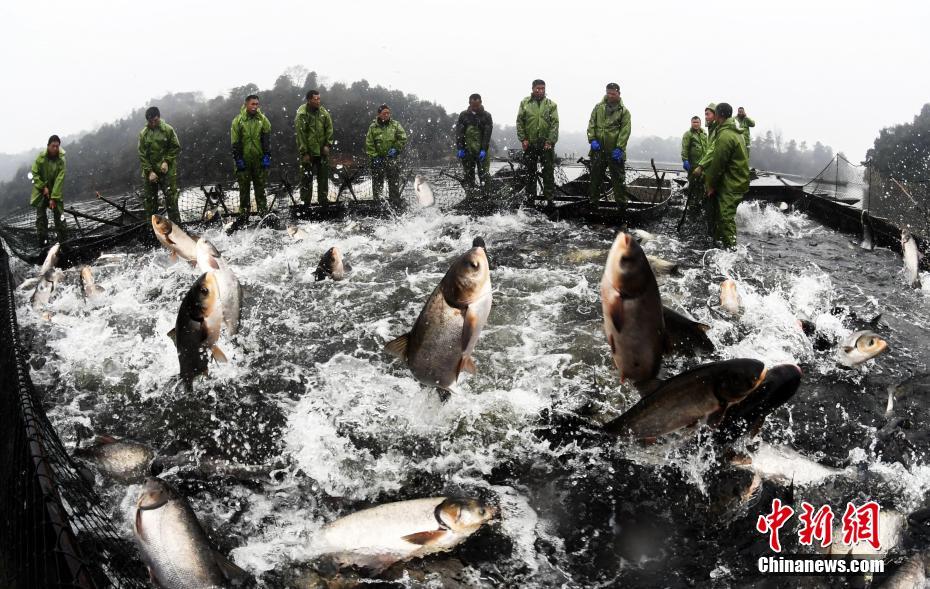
(835, 72)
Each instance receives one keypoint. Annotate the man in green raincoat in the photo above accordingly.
(314, 129)
(726, 178)
(693, 145)
(48, 177)
(744, 124)
(608, 133)
(384, 142)
(158, 153)
(538, 132)
(250, 135)
(473, 142)
(710, 205)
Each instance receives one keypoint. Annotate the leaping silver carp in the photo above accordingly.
(442, 340)
(332, 264)
(174, 238)
(859, 347)
(123, 460)
(912, 258)
(197, 328)
(424, 192)
(230, 291)
(173, 544)
(377, 537)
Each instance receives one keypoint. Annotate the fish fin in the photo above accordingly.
(139, 527)
(467, 364)
(104, 439)
(616, 313)
(848, 349)
(425, 538)
(173, 334)
(469, 327)
(398, 347)
(233, 572)
(702, 326)
(613, 348)
(218, 354)
(214, 264)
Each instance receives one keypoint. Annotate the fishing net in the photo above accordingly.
(53, 532)
(841, 181)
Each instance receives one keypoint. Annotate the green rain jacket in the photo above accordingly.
(473, 131)
(47, 172)
(610, 125)
(314, 130)
(158, 145)
(709, 146)
(382, 137)
(538, 121)
(728, 171)
(250, 136)
(744, 125)
(693, 145)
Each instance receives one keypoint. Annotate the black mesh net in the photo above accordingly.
(53, 532)
(840, 180)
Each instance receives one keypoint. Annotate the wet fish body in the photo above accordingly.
(729, 297)
(89, 288)
(632, 308)
(859, 347)
(911, 258)
(45, 288)
(868, 242)
(230, 291)
(296, 233)
(123, 460)
(377, 537)
(746, 417)
(174, 238)
(51, 259)
(331, 265)
(173, 544)
(424, 192)
(197, 328)
(444, 336)
(699, 395)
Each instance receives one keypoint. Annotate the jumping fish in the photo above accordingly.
(197, 328)
(174, 238)
(444, 336)
(377, 537)
(331, 264)
(859, 347)
(424, 192)
(729, 298)
(296, 233)
(230, 291)
(123, 460)
(911, 258)
(89, 288)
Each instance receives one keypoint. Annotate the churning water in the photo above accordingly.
(316, 421)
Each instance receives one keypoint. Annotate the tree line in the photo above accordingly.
(107, 158)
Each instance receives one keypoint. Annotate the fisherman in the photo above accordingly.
(538, 132)
(314, 127)
(726, 178)
(383, 143)
(608, 133)
(473, 141)
(158, 153)
(744, 124)
(250, 135)
(710, 120)
(693, 145)
(48, 176)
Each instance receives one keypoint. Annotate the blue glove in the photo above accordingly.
(595, 145)
(266, 161)
(377, 161)
(481, 155)
(460, 154)
(617, 154)
(392, 152)
(686, 165)
(240, 164)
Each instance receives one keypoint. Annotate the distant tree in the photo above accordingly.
(107, 160)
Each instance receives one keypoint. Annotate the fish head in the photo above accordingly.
(869, 344)
(207, 255)
(155, 493)
(736, 378)
(161, 225)
(206, 300)
(87, 276)
(468, 279)
(627, 269)
(465, 514)
(291, 230)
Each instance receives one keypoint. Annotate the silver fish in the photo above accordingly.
(859, 347)
(174, 238)
(424, 192)
(911, 258)
(173, 544)
(123, 460)
(230, 291)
